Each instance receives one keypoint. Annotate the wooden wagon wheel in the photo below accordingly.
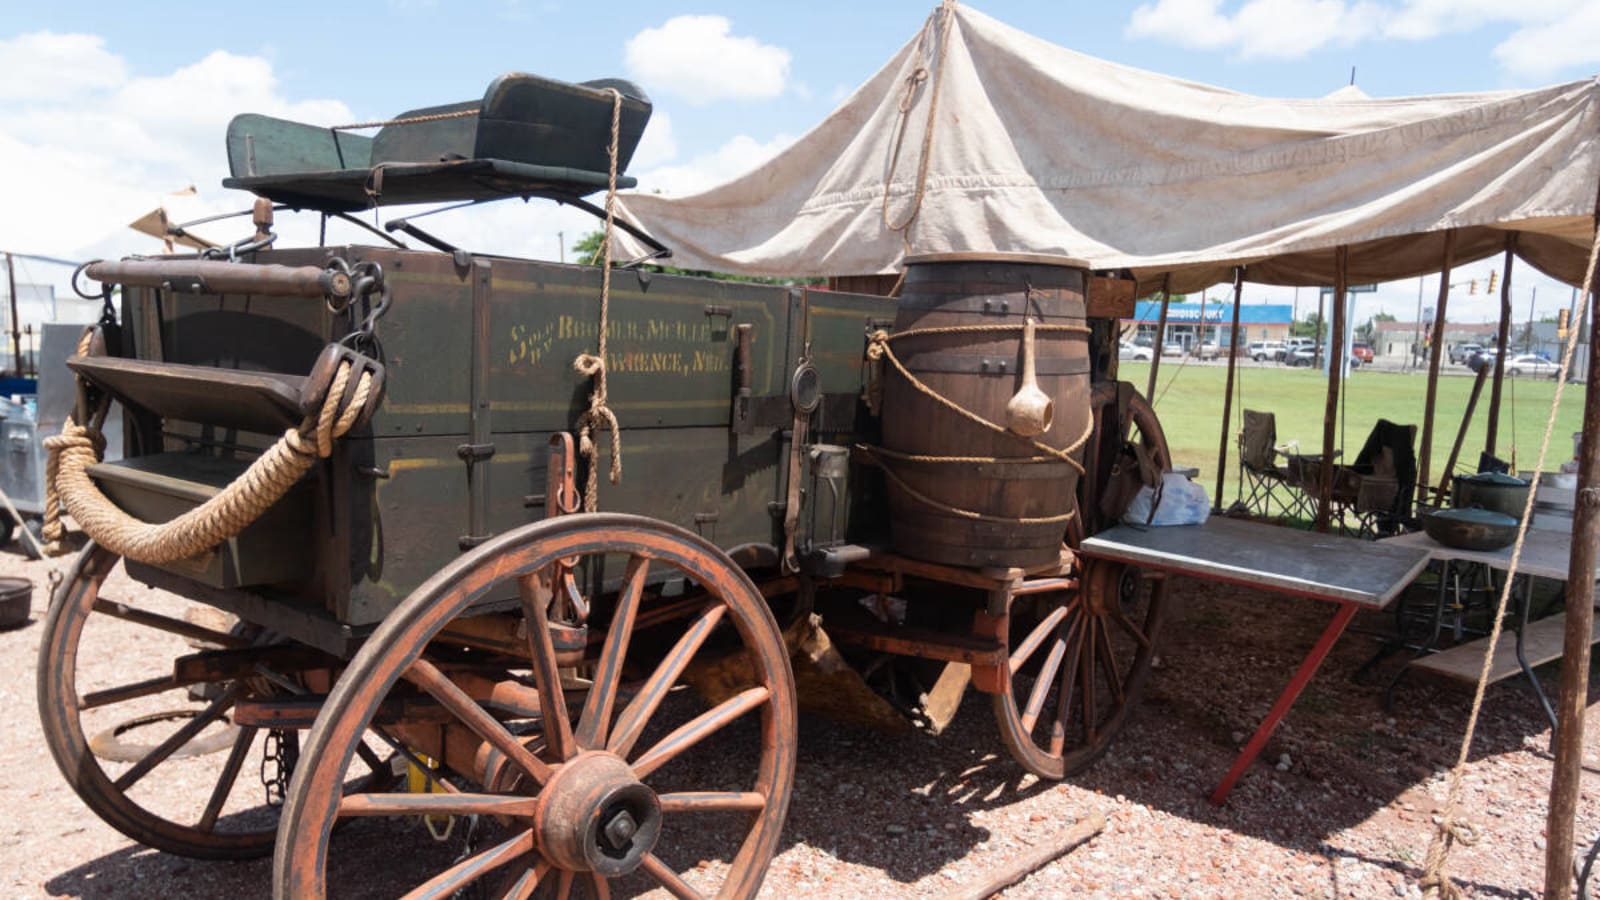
(136, 744)
(579, 781)
(1078, 658)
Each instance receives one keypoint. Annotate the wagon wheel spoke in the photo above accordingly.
(698, 729)
(669, 879)
(1109, 663)
(428, 677)
(713, 801)
(1122, 620)
(168, 624)
(631, 723)
(602, 887)
(230, 774)
(1047, 676)
(535, 594)
(460, 803)
(1035, 638)
(124, 692)
(528, 882)
(473, 867)
(1089, 729)
(597, 708)
(178, 738)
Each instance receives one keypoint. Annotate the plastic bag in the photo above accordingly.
(1182, 502)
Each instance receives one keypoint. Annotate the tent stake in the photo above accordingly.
(1227, 393)
(1435, 348)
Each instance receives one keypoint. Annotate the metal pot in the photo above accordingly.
(16, 594)
(1470, 529)
(1492, 491)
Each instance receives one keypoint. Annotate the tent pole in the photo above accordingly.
(1568, 737)
(1227, 392)
(1435, 346)
(1501, 343)
(1336, 355)
(1161, 339)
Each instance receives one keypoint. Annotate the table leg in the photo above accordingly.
(1302, 677)
(1522, 656)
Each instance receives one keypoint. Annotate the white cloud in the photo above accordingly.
(734, 158)
(700, 59)
(657, 146)
(1282, 29)
(1540, 51)
(87, 147)
(1546, 36)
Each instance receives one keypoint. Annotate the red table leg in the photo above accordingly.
(1302, 677)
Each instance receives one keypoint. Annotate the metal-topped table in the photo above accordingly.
(1352, 573)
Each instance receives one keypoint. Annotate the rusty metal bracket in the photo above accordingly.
(474, 453)
(561, 484)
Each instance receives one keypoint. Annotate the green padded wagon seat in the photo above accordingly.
(528, 136)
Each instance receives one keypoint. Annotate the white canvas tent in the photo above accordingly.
(1042, 150)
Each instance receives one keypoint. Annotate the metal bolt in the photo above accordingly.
(620, 829)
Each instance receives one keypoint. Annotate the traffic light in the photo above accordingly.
(1563, 321)
(1494, 279)
(1472, 286)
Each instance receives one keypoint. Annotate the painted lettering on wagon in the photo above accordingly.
(569, 335)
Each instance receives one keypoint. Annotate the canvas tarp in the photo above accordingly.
(1037, 149)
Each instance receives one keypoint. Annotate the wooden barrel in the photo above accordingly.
(1001, 478)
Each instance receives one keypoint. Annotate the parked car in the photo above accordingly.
(1301, 356)
(1361, 351)
(1129, 350)
(1460, 353)
(1207, 350)
(1261, 351)
(1531, 364)
(1172, 348)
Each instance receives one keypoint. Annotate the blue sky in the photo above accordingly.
(108, 106)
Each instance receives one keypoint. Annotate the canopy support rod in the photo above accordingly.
(1501, 343)
(1568, 738)
(1435, 347)
(1161, 339)
(1227, 393)
(1336, 357)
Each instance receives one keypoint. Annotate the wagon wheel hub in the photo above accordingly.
(595, 816)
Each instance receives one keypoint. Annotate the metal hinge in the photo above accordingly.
(475, 452)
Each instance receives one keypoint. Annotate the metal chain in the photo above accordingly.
(280, 752)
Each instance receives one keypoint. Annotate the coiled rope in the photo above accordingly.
(223, 516)
(593, 365)
(1449, 830)
(878, 348)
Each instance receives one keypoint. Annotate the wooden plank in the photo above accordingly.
(1286, 560)
(1541, 643)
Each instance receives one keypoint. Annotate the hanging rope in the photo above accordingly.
(599, 415)
(945, 18)
(223, 516)
(1450, 831)
(878, 348)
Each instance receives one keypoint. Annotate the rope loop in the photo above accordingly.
(225, 514)
(593, 365)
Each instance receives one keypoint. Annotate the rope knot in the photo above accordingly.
(877, 344)
(588, 365)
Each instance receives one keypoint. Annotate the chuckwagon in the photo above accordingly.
(494, 544)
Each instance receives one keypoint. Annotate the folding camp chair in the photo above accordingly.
(1261, 479)
(1379, 484)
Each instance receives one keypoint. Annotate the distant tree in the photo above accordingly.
(587, 252)
(1310, 326)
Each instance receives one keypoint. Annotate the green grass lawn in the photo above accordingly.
(1189, 403)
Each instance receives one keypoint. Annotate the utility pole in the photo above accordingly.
(561, 245)
(16, 329)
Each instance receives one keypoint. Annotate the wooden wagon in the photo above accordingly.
(822, 506)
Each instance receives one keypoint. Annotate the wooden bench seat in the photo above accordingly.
(1541, 643)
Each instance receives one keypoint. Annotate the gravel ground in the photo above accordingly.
(1346, 810)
